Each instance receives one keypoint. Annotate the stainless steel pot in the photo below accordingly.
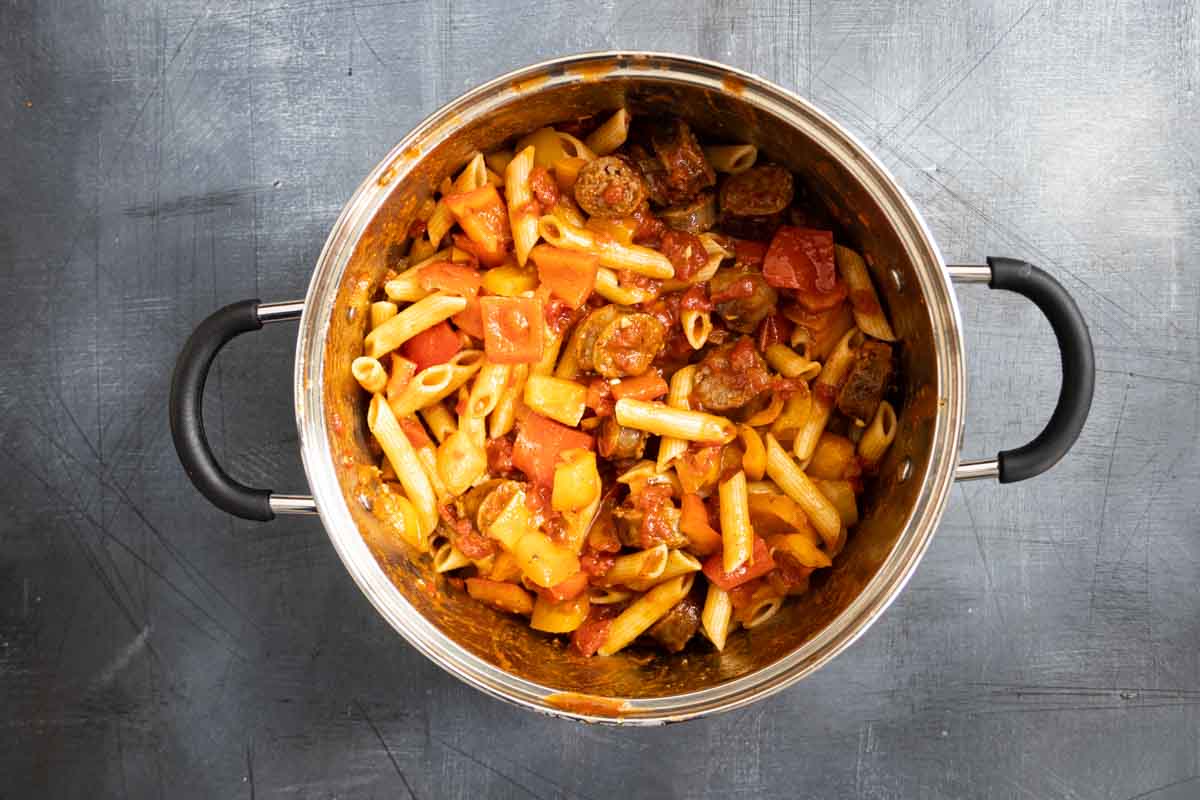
(500, 655)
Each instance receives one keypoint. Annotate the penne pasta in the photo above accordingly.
(790, 364)
(732, 158)
(613, 254)
(761, 611)
(439, 421)
(607, 596)
(669, 447)
(447, 558)
(440, 223)
(473, 175)
(460, 462)
(381, 312)
(504, 415)
(716, 615)
(610, 288)
(486, 390)
(522, 212)
(434, 384)
(497, 160)
(383, 424)
(610, 135)
(643, 565)
(795, 484)
(824, 392)
(697, 325)
(868, 313)
(557, 398)
(657, 418)
(369, 373)
(737, 535)
(678, 563)
(418, 317)
(879, 435)
(841, 495)
(644, 612)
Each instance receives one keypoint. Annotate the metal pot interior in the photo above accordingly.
(913, 479)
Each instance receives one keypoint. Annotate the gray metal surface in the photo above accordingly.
(160, 160)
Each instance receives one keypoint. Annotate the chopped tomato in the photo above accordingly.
(543, 187)
(748, 254)
(402, 372)
(649, 386)
(592, 634)
(571, 276)
(694, 524)
(470, 319)
(802, 259)
(512, 329)
(415, 432)
(599, 397)
(774, 328)
(695, 299)
(539, 443)
(597, 564)
(685, 251)
(484, 218)
(759, 564)
(432, 346)
(569, 589)
(447, 276)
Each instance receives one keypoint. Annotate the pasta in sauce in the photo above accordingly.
(626, 386)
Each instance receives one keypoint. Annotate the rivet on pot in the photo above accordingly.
(905, 470)
(897, 280)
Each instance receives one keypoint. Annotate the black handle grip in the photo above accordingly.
(187, 418)
(1078, 368)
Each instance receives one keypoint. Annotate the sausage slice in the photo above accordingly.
(610, 186)
(627, 345)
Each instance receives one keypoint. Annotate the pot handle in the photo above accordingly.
(1078, 369)
(187, 412)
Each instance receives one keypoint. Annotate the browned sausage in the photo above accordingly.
(864, 386)
(695, 217)
(585, 335)
(688, 171)
(678, 625)
(753, 202)
(730, 376)
(610, 186)
(742, 298)
(618, 442)
(627, 345)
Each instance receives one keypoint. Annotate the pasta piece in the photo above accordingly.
(418, 317)
(485, 392)
(609, 287)
(878, 436)
(381, 312)
(660, 419)
(717, 613)
(434, 384)
(824, 392)
(678, 563)
(697, 325)
(576, 481)
(567, 211)
(460, 462)
(610, 135)
(761, 611)
(439, 421)
(369, 373)
(440, 223)
(716, 254)
(790, 364)
(754, 460)
(801, 548)
(503, 596)
(522, 213)
(644, 612)
(643, 565)
(505, 413)
(447, 558)
(561, 617)
(427, 455)
(551, 145)
(403, 458)
(669, 447)
(559, 399)
(613, 254)
(566, 173)
(796, 485)
(732, 158)
(868, 313)
(473, 175)
(841, 494)
(607, 596)
(474, 428)
(737, 535)
(793, 415)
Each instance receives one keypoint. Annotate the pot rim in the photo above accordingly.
(900, 213)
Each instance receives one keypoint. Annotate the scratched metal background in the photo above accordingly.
(158, 160)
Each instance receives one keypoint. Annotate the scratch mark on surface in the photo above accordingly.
(250, 767)
(1112, 453)
(363, 36)
(383, 743)
(122, 659)
(1164, 787)
(487, 767)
